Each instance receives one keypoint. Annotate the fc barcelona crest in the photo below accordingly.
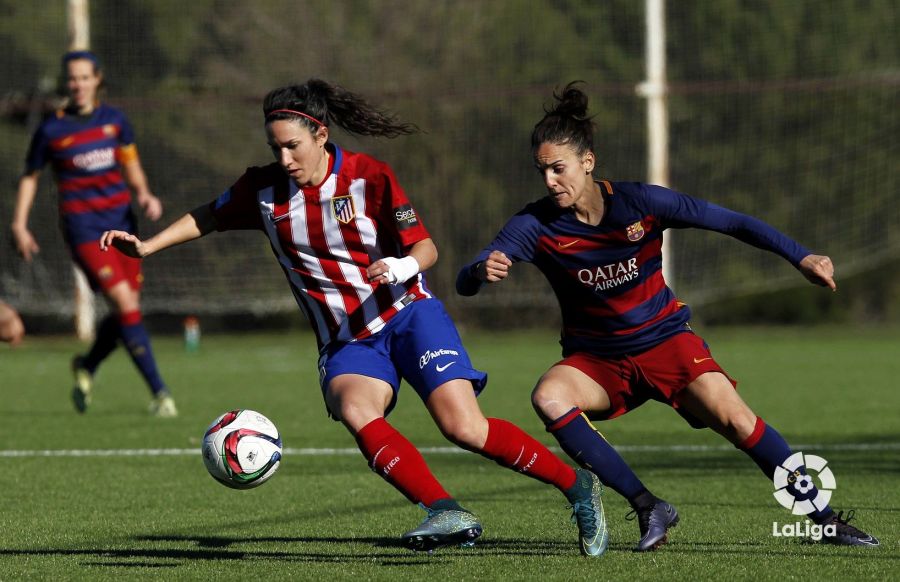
(343, 208)
(105, 272)
(635, 232)
(109, 130)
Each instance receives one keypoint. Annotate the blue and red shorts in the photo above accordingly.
(659, 373)
(105, 269)
(420, 345)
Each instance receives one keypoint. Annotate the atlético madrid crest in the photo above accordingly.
(343, 208)
(635, 232)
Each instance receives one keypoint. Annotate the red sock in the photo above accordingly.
(397, 461)
(510, 446)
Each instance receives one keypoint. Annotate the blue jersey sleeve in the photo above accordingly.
(37, 151)
(679, 210)
(517, 240)
(126, 132)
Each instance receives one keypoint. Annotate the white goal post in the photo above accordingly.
(653, 89)
(79, 29)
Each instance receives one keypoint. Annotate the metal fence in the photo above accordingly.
(786, 111)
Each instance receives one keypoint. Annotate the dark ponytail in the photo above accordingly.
(567, 123)
(319, 103)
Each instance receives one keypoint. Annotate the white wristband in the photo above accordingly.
(401, 270)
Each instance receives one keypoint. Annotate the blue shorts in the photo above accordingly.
(420, 345)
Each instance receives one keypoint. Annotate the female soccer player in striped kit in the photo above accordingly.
(91, 148)
(353, 250)
(625, 336)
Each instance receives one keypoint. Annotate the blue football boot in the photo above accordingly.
(654, 523)
(846, 534)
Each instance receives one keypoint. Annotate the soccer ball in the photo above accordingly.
(241, 449)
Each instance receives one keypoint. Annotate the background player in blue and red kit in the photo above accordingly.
(353, 250)
(625, 336)
(90, 146)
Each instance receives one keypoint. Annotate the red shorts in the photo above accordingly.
(104, 269)
(658, 374)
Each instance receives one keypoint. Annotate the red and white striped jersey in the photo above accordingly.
(325, 236)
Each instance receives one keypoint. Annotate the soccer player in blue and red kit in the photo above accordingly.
(625, 336)
(91, 148)
(353, 250)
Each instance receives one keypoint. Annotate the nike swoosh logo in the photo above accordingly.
(444, 367)
(698, 360)
(568, 244)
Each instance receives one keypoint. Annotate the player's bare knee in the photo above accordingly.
(551, 399)
(742, 423)
(464, 431)
(542, 398)
(464, 436)
(736, 424)
(124, 299)
(347, 411)
(354, 416)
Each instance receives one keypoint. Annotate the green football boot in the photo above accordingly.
(163, 405)
(84, 383)
(443, 527)
(587, 513)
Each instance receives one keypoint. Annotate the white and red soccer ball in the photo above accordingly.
(241, 449)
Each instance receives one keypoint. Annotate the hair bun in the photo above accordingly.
(573, 102)
(567, 122)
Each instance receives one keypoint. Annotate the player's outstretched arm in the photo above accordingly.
(193, 225)
(819, 270)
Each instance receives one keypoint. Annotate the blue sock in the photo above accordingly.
(587, 447)
(105, 343)
(768, 449)
(137, 342)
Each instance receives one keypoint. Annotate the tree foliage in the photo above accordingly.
(785, 110)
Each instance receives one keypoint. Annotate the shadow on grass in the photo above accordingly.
(215, 549)
(368, 550)
(173, 557)
(132, 564)
(793, 550)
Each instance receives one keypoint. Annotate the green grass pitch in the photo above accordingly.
(328, 517)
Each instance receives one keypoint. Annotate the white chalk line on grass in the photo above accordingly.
(324, 452)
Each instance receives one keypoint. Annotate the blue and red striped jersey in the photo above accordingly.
(86, 153)
(608, 278)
